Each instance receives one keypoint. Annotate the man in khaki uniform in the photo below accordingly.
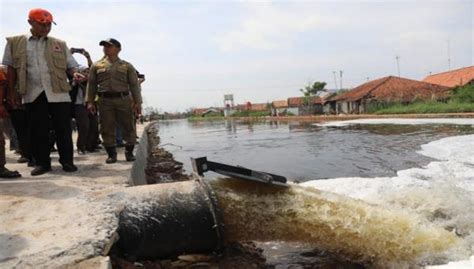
(113, 80)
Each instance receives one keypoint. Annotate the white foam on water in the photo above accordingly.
(442, 191)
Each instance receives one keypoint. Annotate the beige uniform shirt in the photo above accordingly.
(118, 76)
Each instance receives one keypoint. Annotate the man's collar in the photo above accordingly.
(29, 36)
(118, 60)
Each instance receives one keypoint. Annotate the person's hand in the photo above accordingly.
(91, 108)
(137, 109)
(78, 77)
(3, 111)
(14, 100)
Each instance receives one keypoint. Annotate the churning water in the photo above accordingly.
(345, 227)
(423, 173)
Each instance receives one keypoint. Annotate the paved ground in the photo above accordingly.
(59, 218)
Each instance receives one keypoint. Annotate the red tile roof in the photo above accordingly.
(199, 111)
(396, 89)
(258, 107)
(458, 77)
(280, 104)
(300, 101)
(240, 107)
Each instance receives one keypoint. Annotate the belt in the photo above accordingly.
(113, 94)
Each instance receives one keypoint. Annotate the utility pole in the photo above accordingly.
(340, 74)
(449, 56)
(398, 64)
(335, 80)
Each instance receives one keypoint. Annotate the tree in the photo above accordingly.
(311, 90)
(150, 113)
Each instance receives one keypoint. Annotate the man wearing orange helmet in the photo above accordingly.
(37, 71)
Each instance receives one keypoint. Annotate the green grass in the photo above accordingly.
(427, 107)
(208, 118)
(464, 94)
(251, 114)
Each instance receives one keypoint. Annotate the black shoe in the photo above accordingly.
(5, 173)
(112, 155)
(81, 152)
(69, 167)
(31, 163)
(129, 153)
(111, 160)
(39, 170)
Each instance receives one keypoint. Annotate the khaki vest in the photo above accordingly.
(56, 59)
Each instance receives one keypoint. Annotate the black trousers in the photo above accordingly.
(93, 135)
(82, 122)
(20, 122)
(40, 112)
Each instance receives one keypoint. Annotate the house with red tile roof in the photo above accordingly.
(259, 107)
(387, 90)
(205, 111)
(279, 107)
(305, 105)
(458, 77)
(253, 107)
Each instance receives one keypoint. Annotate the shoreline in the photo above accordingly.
(316, 118)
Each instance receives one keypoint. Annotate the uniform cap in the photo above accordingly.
(41, 15)
(111, 41)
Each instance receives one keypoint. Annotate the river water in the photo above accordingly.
(424, 167)
(303, 151)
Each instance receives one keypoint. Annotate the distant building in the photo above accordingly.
(279, 107)
(228, 105)
(305, 105)
(385, 90)
(259, 107)
(458, 77)
(203, 112)
(253, 107)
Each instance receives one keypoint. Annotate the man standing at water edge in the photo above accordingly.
(37, 67)
(113, 80)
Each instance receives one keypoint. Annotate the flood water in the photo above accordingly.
(302, 151)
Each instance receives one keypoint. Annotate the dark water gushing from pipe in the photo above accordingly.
(349, 228)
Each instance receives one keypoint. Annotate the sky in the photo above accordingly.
(194, 52)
